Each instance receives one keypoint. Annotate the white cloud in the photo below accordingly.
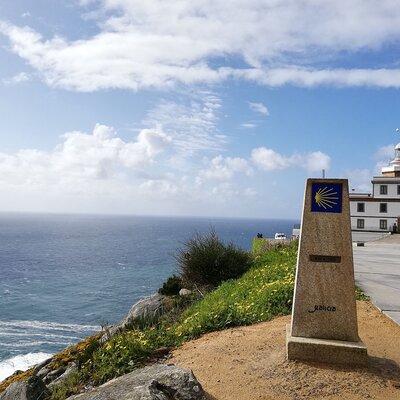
(269, 160)
(101, 172)
(248, 125)
(383, 156)
(259, 108)
(316, 161)
(385, 153)
(191, 123)
(311, 77)
(81, 158)
(224, 168)
(16, 79)
(225, 191)
(155, 43)
(159, 188)
(359, 180)
(250, 192)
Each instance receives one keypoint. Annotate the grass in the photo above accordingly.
(262, 293)
(72, 385)
(78, 353)
(360, 295)
(265, 291)
(126, 352)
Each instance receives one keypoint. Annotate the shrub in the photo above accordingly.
(171, 286)
(262, 293)
(206, 261)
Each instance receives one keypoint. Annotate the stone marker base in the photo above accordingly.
(326, 351)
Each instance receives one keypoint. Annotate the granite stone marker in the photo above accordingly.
(324, 317)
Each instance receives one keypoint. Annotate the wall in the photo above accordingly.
(392, 190)
(372, 216)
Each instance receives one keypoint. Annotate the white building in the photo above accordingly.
(377, 213)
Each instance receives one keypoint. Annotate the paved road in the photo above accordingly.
(377, 272)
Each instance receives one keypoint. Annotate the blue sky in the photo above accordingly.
(192, 108)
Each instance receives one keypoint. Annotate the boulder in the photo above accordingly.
(71, 369)
(149, 307)
(156, 382)
(43, 372)
(32, 389)
(42, 365)
(53, 374)
(185, 292)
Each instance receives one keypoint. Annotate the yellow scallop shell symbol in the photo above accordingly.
(326, 197)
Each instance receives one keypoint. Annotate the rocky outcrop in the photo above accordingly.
(42, 365)
(185, 292)
(52, 377)
(71, 369)
(157, 382)
(32, 389)
(147, 308)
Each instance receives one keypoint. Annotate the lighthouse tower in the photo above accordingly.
(393, 170)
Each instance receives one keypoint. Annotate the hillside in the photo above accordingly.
(265, 291)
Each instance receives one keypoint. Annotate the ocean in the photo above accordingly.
(64, 276)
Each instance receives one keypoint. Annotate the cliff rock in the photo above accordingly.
(32, 389)
(156, 382)
(149, 307)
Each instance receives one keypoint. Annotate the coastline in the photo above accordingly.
(61, 273)
(259, 297)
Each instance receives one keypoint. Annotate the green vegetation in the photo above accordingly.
(360, 295)
(171, 286)
(72, 385)
(260, 294)
(205, 261)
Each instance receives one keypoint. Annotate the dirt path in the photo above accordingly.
(249, 363)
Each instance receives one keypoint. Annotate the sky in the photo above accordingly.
(201, 108)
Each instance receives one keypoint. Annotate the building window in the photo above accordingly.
(383, 207)
(398, 189)
(360, 224)
(361, 207)
(383, 189)
(383, 224)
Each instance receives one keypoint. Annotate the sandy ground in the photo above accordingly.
(249, 363)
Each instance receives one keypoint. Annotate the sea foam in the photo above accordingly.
(46, 326)
(21, 362)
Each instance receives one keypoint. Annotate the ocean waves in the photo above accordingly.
(25, 343)
(47, 326)
(21, 362)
